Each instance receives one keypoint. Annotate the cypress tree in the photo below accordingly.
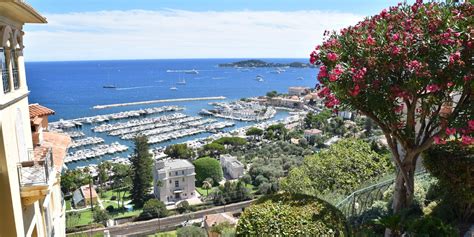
(142, 176)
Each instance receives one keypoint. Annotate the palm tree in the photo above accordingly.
(207, 184)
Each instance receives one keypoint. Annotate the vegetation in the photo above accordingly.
(207, 167)
(319, 120)
(212, 149)
(179, 151)
(276, 132)
(183, 207)
(404, 77)
(231, 192)
(231, 141)
(72, 180)
(122, 181)
(291, 215)
(100, 216)
(453, 165)
(341, 168)
(142, 175)
(207, 184)
(254, 132)
(153, 208)
(193, 231)
(272, 94)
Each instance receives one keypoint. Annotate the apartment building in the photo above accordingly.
(31, 199)
(174, 180)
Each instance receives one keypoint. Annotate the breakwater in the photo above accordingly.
(158, 101)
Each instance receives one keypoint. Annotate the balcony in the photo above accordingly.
(16, 79)
(5, 80)
(35, 174)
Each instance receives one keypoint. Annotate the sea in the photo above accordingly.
(73, 88)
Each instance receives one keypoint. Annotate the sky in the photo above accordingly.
(169, 29)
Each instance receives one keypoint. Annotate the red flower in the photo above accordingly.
(467, 140)
(399, 108)
(395, 37)
(323, 72)
(313, 57)
(471, 125)
(450, 131)
(395, 50)
(332, 57)
(370, 40)
(355, 91)
(439, 140)
(432, 88)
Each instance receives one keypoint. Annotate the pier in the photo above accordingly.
(158, 101)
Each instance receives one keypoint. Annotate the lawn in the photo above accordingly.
(165, 234)
(82, 218)
(68, 204)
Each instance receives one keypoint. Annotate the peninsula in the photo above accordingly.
(260, 63)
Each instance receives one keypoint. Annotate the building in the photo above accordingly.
(311, 133)
(216, 219)
(84, 196)
(285, 102)
(298, 90)
(231, 166)
(31, 200)
(38, 121)
(345, 114)
(174, 180)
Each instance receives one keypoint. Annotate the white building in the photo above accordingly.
(298, 90)
(231, 166)
(312, 133)
(174, 180)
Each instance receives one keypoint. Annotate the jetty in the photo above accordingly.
(158, 101)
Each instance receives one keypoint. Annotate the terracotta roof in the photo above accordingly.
(87, 192)
(37, 110)
(59, 144)
(313, 131)
(215, 219)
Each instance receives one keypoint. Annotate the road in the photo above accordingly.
(152, 226)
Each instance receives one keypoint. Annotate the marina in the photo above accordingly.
(86, 141)
(95, 151)
(240, 110)
(159, 101)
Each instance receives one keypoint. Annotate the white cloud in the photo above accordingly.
(140, 34)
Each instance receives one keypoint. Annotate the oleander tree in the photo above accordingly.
(409, 69)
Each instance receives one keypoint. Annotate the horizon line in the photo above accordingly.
(145, 59)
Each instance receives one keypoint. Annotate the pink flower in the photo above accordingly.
(471, 124)
(332, 57)
(450, 84)
(355, 91)
(324, 92)
(450, 131)
(414, 65)
(313, 57)
(370, 40)
(395, 37)
(439, 140)
(323, 72)
(467, 140)
(454, 57)
(395, 50)
(399, 108)
(432, 88)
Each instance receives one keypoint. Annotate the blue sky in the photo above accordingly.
(148, 29)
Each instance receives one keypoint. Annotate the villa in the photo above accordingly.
(231, 166)
(84, 196)
(174, 180)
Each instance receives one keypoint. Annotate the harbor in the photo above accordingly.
(158, 101)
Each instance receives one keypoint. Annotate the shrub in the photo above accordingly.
(291, 215)
(207, 167)
(430, 226)
(100, 216)
(453, 164)
(183, 207)
(153, 208)
(342, 167)
(110, 208)
(189, 231)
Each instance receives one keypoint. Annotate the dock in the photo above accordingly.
(158, 101)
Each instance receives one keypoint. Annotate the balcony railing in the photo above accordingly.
(5, 80)
(36, 171)
(16, 79)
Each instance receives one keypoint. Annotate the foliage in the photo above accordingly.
(207, 167)
(430, 226)
(141, 168)
(179, 151)
(193, 231)
(340, 168)
(72, 180)
(153, 208)
(319, 120)
(207, 184)
(100, 216)
(453, 165)
(121, 180)
(231, 141)
(183, 207)
(104, 169)
(272, 94)
(231, 192)
(409, 69)
(276, 132)
(291, 215)
(212, 149)
(255, 132)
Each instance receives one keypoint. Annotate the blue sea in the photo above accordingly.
(72, 88)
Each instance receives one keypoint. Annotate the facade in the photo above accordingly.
(231, 166)
(311, 133)
(174, 180)
(31, 198)
(298, 90)
(83, 196)
(285, 102)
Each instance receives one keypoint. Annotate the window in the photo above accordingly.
(14, 62)
(170, 174)
(176, 183)
(170, 180)
(176, 173)
(182, 171)
(5, 74)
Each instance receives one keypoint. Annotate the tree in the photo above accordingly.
(121, 180)
(179, 151)
(188, 231)
(183, 207)
(104, 168)
(272, 94)
(276, 131)
(100, 216)
(254, 132)
(72, 180)
(341, 168)
(142, 175)
(207, 184)
(207, 167)
(212, 149)
(231, 141)
(409, 69)
(153, 208)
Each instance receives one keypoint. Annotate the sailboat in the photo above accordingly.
(173, 88)
(181, 82)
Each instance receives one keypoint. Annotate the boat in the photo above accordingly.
(259, 77)
(109, 86)
(182, 82)
(194, 71)
(173, 88)
(300, 78)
